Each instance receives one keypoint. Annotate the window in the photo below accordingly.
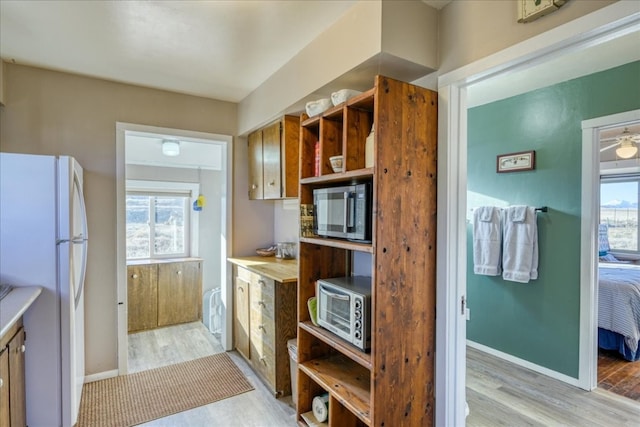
(157, 225)
(619, 197)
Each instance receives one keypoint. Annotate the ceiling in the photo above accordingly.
(217, 49)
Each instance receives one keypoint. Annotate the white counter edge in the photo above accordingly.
(14, 304)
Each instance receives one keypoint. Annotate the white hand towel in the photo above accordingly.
(486, 241)
(520, 244)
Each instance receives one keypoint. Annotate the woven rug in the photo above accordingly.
(144, 396)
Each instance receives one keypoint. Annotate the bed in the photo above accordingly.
(619, 309)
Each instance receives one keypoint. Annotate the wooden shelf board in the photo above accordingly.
(340, 244)
(339, 177)
(311, 121)
(352, 352)
(346, 381)
(365, 99)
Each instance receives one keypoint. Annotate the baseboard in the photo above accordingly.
(100, 376)
(525, 364)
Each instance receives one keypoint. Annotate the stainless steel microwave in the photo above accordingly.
(344, 308)
(343, 212)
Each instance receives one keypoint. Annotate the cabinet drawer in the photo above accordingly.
(263, 360)
(262, 329)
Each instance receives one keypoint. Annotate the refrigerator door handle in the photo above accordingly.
(82, 238)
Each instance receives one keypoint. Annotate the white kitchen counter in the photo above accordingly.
(15, 304)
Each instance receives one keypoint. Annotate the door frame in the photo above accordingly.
(602, 25)
(226, 239)
(589, 244)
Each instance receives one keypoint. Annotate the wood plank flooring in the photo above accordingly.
(174, 344)
(498, 392)
(617, 375)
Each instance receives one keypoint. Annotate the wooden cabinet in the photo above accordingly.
(179, 292)
(392, 385)
(163, 293)
(241, 321)
(12, 384)
(273, 160)
(265, 318)
(142, 297)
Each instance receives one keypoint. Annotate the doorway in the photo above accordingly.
(197, 185)
(605, 25)
(597, 148)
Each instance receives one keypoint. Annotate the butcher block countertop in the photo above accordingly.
(13, 306)
(280, 270)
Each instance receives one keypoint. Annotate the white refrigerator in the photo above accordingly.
(43, 241)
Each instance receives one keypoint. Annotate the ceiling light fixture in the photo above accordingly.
(170, 148)
(627, 147)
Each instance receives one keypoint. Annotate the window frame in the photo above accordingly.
(191, 223)
(622, 178)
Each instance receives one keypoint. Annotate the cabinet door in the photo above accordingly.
(142, 297)
(17, 403)
(179, 292)
(290, 157)
(256, 191)
(271, 163)
(241, 331)
(5, 416)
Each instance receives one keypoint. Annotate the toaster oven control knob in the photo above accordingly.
(358, 335)
(358, 314)
(358, 304)
(358, 325)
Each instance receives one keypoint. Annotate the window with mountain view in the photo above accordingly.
(157, 225)
(619, 209)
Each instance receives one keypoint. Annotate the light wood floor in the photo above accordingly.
(174, 344)
(502, 394)
(498, 392)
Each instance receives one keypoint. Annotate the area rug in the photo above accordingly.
(133, 399)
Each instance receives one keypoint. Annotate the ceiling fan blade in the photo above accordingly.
(608, 147)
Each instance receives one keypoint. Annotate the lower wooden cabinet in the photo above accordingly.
(12, 385)
(265, 319)
(164, 293)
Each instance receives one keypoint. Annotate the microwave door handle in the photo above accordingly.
(345, 223)
(337, 296)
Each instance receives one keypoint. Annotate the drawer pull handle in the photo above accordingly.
(22, 348)
(1, 382)
(262, 282)
(253, 187)
(179, 272)
(272, 183)
(134, 276)
(262, 303)
(263, 359)
(262, 327)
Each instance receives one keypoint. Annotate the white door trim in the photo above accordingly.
(121, 259)
(588, 375)
(609, 22)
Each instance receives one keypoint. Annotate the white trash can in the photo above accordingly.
(292, 345)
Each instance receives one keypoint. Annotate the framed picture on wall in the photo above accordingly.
(516, 162)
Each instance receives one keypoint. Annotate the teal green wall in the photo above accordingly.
(539, 321)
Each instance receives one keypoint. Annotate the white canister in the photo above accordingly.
(320, 407)
(368, 149)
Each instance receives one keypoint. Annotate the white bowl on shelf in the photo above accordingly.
(343, 95)
(336, 163)
(316, 107)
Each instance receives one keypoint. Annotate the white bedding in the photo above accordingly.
(619, 301)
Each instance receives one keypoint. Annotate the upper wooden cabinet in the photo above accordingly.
(273, 160)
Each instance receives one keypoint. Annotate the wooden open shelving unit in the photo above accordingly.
(392, 385)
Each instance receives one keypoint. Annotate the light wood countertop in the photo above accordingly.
(280, 270)
(15, 303)
(161, 260)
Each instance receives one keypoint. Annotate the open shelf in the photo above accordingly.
(339, 177)
(345, 380)
(337, 243)
(352, 352)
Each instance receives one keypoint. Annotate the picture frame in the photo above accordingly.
(516, 162)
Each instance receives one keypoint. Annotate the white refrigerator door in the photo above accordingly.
(72, 247)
